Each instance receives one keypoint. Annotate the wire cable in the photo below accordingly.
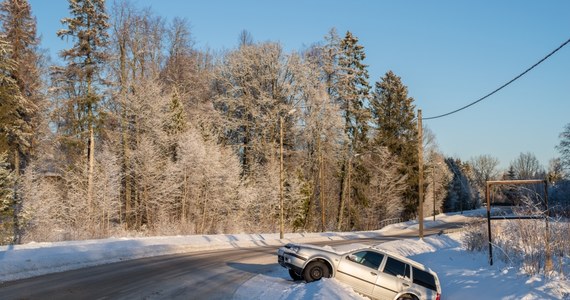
(502, 86)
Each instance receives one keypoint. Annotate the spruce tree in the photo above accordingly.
(352, 91)
(396, 129)
(19, 30)
(87, 27)
(6, 202)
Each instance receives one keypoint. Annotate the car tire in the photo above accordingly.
(407, 297)
(295, 276)
(315, 271)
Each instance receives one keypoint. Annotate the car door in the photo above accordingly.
(359, 270)
(394, 278)
(425, 283)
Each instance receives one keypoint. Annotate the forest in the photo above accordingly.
(137, 132)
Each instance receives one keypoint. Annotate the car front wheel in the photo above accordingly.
(294, 275)
(315, 271)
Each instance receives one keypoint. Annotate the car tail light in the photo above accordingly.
(438, 297)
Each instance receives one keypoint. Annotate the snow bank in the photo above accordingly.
(34, 259)
(463, 275)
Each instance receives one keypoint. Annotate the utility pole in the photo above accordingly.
(433, 190)
(281, 225)
(421, 176)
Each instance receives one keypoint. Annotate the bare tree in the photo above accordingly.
(245, 38)
(484, 169)
(527, 166)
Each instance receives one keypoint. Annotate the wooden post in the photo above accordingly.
(281, 225)
(421, 176)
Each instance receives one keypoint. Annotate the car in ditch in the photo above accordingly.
(370, 271)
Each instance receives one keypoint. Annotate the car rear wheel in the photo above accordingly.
(294, 275)
(315, 271)
(407, 297)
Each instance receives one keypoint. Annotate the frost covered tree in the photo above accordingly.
(137, 42)
(484, 169)
(438, 177)
(7, 206)
(555, 171)
(82, 77)
(351, 91)
(253, 90)
(384, 191)
(19, 31)
(460, 193)
(395, 126)
(319, 141)
(564, 147)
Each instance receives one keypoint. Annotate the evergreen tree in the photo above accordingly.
(352, 91)
(13, 129)
(564, 147)
(19, 30)
(175, 125)
(6, 202)
(88, 29)
(461, 196)
(396, 128)
(327, 59)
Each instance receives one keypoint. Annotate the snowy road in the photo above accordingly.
(205, 275)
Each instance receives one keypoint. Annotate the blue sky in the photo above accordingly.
(448, 53)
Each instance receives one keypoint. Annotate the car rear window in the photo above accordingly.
(424, 279)
(396, 267)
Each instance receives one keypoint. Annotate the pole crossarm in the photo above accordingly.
(526, 181)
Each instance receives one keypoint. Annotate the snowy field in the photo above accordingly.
(463, 275)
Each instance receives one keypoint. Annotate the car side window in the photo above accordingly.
(397, 268)
(424, 279)
(370, 259)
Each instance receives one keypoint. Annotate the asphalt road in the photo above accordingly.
(203, 275)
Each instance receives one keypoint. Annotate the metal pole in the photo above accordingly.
(548, 265)
(489, 223)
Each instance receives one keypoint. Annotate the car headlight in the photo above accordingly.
(293, 247)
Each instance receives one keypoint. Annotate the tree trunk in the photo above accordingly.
(91, 159)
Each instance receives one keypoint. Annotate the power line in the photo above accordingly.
(502, 86)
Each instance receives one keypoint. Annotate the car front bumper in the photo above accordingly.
(290, 260)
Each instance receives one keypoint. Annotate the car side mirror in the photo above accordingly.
(351, 257)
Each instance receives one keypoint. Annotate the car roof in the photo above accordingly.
(403, 258)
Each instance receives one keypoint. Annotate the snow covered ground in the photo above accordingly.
(463, 275)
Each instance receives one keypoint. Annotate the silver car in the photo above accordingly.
(370, 271)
